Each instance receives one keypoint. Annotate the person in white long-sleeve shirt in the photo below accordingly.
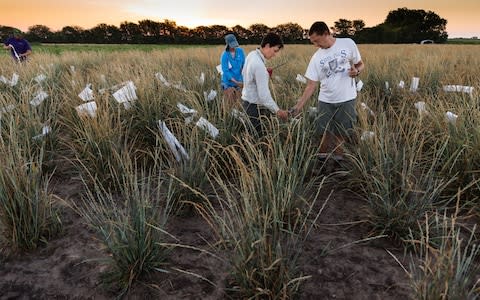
(256, 96)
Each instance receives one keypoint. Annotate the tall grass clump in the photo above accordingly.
(446, 264)
(460, 159)
(38, 123)
(94, 144)
(189, 178)
(263, 215)
(396, 174)
(131, 224)
(28, 216)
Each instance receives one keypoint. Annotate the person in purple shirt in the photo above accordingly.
(232, 61)
(18, 46)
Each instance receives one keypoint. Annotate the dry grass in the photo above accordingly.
(248, 190)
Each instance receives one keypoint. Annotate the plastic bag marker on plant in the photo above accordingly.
(185, 110)
(210, 96)
(172, 142)
(451, 117)
(359, 85)
(87, 93)
(207, 126)
(312, 111)
(38, 99)
(301, 78)
(45, 130)
(458, 88)
(421, 108)
(162, 79)
(12, 82)
(367, 136)
(201, 79)
(40, 78)
(414, 84)
(179, 86)
(87, 109)
(387, 86)
(126, 95)
(239, 115)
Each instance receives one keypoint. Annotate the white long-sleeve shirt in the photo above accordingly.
(255, 82)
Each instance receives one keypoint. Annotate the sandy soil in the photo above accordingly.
(340, 266)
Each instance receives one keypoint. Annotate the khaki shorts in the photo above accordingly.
(336, 118)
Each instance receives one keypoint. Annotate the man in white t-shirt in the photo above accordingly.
(335, 65)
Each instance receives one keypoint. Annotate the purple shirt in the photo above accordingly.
(20, 45)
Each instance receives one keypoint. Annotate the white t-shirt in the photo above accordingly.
(330, 67)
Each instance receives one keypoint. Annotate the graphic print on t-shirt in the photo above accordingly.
(337, 63)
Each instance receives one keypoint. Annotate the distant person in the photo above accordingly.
(335, 65)
(18, 46)
(256, 96)
(232, 61)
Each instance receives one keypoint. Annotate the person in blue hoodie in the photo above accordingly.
(18, 46)
(232, 61)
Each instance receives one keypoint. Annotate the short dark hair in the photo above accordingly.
(319, 28)
(272, 39)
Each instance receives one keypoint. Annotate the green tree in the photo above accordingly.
(241, 33)
(150, 30)
(168, 30)
(217, 32)
(71, 34)
(130, 33)
(5, 32)
(358, 26)
(39, 33)
(415, 25)
(343, 28)
(347, 28)
(258, 31)
(104, 34)
(290, 32)
(183, 35)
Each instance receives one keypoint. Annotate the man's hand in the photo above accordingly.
(353, 72)
(296, 109)
(282, 115)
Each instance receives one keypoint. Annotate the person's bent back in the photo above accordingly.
(18, 46)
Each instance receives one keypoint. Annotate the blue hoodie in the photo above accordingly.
(232, 67)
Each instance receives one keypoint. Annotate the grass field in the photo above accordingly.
(240, 217)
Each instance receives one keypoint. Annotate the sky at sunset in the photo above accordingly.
(462, 15)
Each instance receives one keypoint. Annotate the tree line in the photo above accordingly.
(400, 26)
